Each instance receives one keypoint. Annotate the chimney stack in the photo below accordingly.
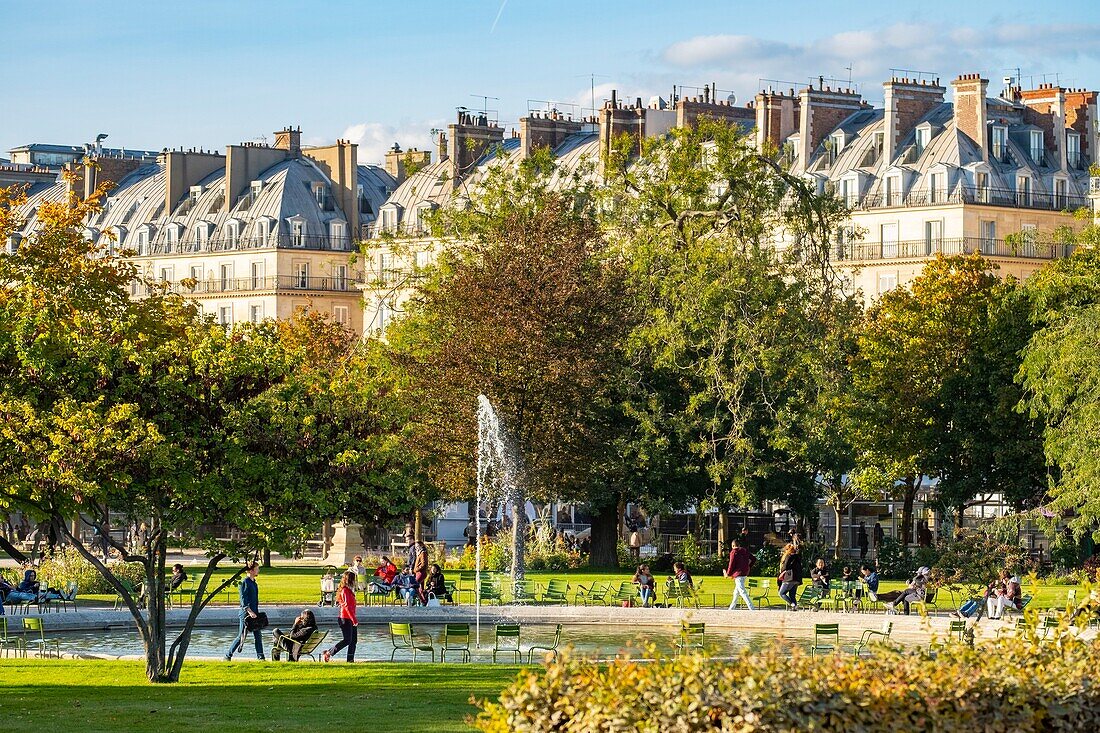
(468, 139)
(906, 102)
(821, 111)
(547, 130)
(289, 139)
(970, 113)
(1081, 118)
(776, 117)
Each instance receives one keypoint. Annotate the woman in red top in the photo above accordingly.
(345, 598)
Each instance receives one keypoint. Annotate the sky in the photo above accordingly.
(207, 73)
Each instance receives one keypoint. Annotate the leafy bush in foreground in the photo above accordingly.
(1011, 684)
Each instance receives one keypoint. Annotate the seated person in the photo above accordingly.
(1004, 593)
(683, 577)
(916, 590)
(647, 584)
(819, 574)
(384, 574)
(29, 584)
(360, 571)
(179, 577)
(404, 585)
(291, 643)
(436, 584)
(847, 575)
(870, 581)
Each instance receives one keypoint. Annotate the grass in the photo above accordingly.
(300, 585)
(115, 696)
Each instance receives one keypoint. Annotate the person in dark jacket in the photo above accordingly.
(291, 643)
(436, 584)
(790, 574)
(249, 594)
(861, 541)
(739, 567)
(819, 574)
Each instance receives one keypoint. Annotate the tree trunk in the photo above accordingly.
(723, 529)
(266, 557)
(605, 537)
(836, 505)
(178, 651)
(912, 483)
(155, 659)
(418, 527)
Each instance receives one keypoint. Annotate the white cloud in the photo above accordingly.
(375, 138)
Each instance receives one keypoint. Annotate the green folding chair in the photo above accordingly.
(456, 638)
(692, 638)
(826, 639)
(556, 592)
(759, 590)
(44, 644)
(870, 636)
(595, 593)
(552, 649)
(404, 639)
(507, 642)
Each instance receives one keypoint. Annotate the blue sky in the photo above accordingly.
(205, 73)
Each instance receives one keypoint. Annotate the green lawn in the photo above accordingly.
(300, 584)
(89, 695)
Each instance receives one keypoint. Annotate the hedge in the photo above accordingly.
(1011, 684)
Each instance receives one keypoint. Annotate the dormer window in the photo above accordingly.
(999, 142)
(1073, 150)
(337, 232)
(422, 217)
(202, 233)
(233, 233)
(297, 231)
(257, 188)
(892, 190)
(923, 137)
(389, 219)
(143, 241)
(1023, 190)
(13, 243)
(172, 234)
(196, 191)
(837, 145)
(1037, 146)
(320, 193)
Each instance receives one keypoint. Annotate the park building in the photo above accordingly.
(255, 232)
(999, 175)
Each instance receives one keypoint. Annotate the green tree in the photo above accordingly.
(142, 408)
(741, 323)
(525, 306)
(932, 388)
(1061, 371)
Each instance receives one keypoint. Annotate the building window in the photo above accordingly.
(1000, 143)
(1073, 150)
(340, 277)
(982, 180)
(389, 220)
(1037, 147)
(301, 275)
(923, 136)
(225, 315)
(232, 234)
(933, 236)
(385, 314)
(1029, 234)
(202, 234)
(385, 266)
(257, 275)
(142, 241)
(320, 192)
(1023, 190)
(1059, 193)
(297, 233)
(256, 313)
(256, 189)
(420, 259)
(262, 232)
(13, 243)
(935, 195)
(226, 279)
(340, 314)
(889, 239)
(422, 213)
(167, 274)
(893, 190)
(336, 234)
(196, 273)
(887, 281)
(837, 146)
(172, 235)
(989, 235)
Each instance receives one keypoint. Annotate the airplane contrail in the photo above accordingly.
(497, 19)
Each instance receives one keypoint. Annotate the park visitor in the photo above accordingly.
(405, 586)
(291, 643)
(1005, 593)
(384, 575)
(249, 614)
(647, 585)
(179, 577)
(861, 541)
(740, 565)
(360, 571)
(419, 556)
(790, 574)
(347, 621)
(819, 574)
(436, 584)
(683, 577)
(915, 590)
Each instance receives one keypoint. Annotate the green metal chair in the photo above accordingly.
(456, 638)
(870, 636)
(832, 599)
(826, 638)
(525, 591)
(692, 638)
(308, 646)
(507, 642)
(679, 593)
(44, 644)
(956, 632)
(7, 641)
(809, 597)
(185, 591)
(129, 588)
(551, 649)
(490, 591)
(404, 639)
(928, 602)
(596, 592)
(625, 592)
(759, 590)
(556, 592)
(1071, 600)
(467, 583)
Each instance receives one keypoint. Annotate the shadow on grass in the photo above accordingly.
(114, 696)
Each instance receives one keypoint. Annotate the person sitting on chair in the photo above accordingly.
(291, 643)
(384, 575)
(1005, 593)
(683, 577)
(404, 585)
(819, 574)
(436, 584)
(179, 577)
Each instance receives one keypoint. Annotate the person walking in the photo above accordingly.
(861, 541)
(249, 593)
(739, 567)
(790, 574)
(877, 536)
(347, 621)
(420, 570)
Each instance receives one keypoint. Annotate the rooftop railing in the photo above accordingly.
(971, 195)
(316, 242)
(271, 283)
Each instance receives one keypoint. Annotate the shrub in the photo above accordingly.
(67, 565)
(767, 561)
(978, 557)
(894, 560)
(1020, 683)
